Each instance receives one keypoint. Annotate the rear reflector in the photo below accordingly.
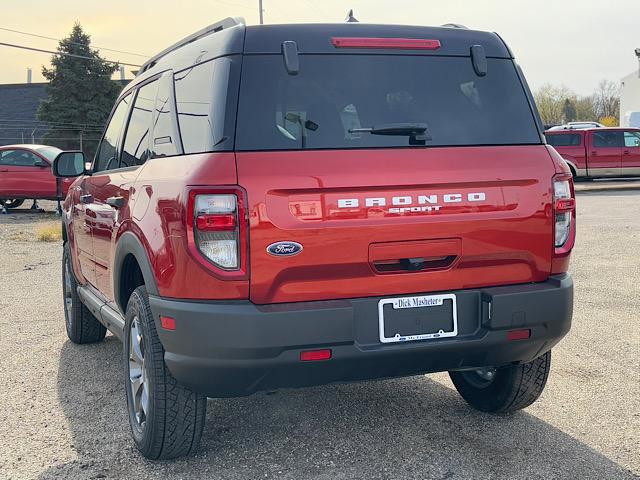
(518, 334)
(315, 355)
(168, 323)
(395, 43)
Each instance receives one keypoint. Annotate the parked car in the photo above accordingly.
(25, 173)
(292, 205)
(577, 126)
(602, 152)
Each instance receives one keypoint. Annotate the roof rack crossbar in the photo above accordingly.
(213, 28)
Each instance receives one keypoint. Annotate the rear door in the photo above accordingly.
(605, 152)
(111, 189)
(469, 205)
(631, 153)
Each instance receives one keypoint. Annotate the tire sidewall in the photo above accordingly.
(142, 435)
(67, 269)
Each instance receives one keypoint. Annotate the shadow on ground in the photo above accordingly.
(404, 428)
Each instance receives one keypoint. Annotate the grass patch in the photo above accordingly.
(49, 232)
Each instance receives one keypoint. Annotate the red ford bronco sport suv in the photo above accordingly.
(293, 205)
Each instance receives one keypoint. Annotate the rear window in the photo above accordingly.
(334, 94)
(564, 140)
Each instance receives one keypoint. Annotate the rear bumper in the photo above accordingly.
(236, 348)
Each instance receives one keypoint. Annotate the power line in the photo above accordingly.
(30, 121)
(66, 54)
(73, 43)
(53, 128)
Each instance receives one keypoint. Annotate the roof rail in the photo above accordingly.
(455, 25)
(213, 28)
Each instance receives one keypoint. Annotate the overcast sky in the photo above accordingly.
(572, 42)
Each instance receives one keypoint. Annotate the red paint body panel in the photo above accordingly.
(155, 213)
(293, 196)
(31, 182)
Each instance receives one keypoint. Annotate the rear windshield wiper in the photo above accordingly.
(417, 131)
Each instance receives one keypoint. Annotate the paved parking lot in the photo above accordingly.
(62, 406)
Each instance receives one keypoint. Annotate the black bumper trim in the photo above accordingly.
(236, 348)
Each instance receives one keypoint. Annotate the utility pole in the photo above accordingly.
(81, 139)
(261, 12)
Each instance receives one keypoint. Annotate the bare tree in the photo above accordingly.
(606, 99)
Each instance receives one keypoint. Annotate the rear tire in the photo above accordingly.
(505, 389)
(166, 418)
(82, 326)
(9, 204)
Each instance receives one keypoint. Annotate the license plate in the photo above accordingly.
(427, 317)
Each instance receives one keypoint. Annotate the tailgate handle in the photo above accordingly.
(415, 256)
(415, 264)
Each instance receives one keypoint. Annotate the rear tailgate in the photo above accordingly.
(467, 203)
(328, 153)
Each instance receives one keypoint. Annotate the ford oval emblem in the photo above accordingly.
(284, 249)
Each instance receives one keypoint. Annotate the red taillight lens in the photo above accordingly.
(315, 355)
(217, 230)
(214, 222)
(393, 43)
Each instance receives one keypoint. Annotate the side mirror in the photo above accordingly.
(41, 163)
(69, 164)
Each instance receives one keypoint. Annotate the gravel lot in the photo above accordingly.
(62, 406)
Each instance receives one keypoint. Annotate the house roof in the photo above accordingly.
(19, 104)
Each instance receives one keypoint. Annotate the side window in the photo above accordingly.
(166, 141)
(608, 139)
(632, 139)
(136, 142)
(194, 92)
(107, 154)
(18, 158)
(564, 139)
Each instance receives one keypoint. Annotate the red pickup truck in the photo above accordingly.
(292, 205)
(598, 152)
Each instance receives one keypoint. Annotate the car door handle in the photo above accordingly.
(594, 153)
(88, 198)
(116, 202)
(626, 152)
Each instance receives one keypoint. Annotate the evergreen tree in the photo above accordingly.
(80, 92)
(569, 110)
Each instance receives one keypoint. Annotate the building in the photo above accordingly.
(18, 107)
(630, 98)
(19, 123)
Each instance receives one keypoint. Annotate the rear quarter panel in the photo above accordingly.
(157, 209)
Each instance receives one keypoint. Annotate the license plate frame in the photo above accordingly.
(417, 301)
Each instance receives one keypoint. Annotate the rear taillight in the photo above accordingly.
(217, 230)
(564, 214)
